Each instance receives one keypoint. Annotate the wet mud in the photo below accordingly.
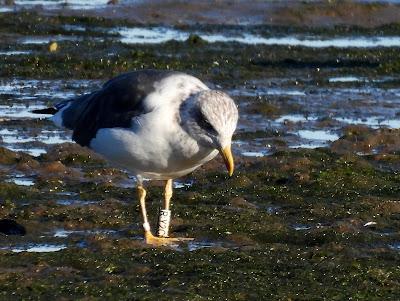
(312, 211)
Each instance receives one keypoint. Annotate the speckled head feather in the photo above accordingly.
(214, 117)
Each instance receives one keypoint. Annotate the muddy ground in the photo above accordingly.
(313, 209)
(278, 13)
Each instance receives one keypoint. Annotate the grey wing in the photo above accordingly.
(119, 100)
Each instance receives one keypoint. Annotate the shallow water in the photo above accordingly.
(255, 154)
(56, 4)
(74, 202)
(263, 91)
(197, 245)
(273, 210)
(130, 182)
(301, 227)
(63, 233)
(21, 111)
(39, 248)
(141, 35)
(335, 102)
(295, 118)
(342, 42)
(395, 246)
(309, 145)
(179, 184)
(6, 9)
(28, 95)
(255, 226)
(47, 138)
(33, 151)
(373, 122)
(15, 52)
(318, 135)
(22, 181)
(38, 40)
(154, 35)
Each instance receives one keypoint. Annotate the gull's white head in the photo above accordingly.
(212, 117)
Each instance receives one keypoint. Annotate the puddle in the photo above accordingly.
(343, 42)
(54, 89)
(356, 79)
(374, 122)
(374, 151)
(346, 79)
(16, 139)
(141, 35)
(309, 145)
(126, 184)
(38, 248)
(6, 9)
(47, 137)
(273, 210)
(154, 35)
(73, 27)
(36, 40)
(318, 135)
(395, 246)
(192, 246)
(39, 138)
(67, 193)
(264, 91)
(7, 132)
(255, 154)
(295, 118)
(65, 233)
(21, 111)
(301, 227)
(22, 181)
(130, 182)
(15, 52)
(47, 39)
(62, 233)
(56, 4)
(180, 185)
(67, 202)
(197, 245)
(35, 152)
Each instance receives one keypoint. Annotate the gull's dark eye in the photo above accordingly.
(203, 122)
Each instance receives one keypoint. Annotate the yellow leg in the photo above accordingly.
(149, 237)
(142, 199)
(167, 194)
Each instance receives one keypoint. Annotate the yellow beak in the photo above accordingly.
(226, 154)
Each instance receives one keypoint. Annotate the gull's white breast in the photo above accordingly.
(156, 147)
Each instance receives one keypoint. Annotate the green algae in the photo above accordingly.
(314, 246)
(264, 255)
(88, 59)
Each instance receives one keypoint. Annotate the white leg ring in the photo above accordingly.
(163, 223)
(146, 227)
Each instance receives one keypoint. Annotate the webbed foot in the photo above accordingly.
(164, 241)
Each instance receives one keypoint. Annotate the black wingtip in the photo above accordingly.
(51, 111)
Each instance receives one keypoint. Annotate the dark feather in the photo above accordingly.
(114, 105)
(51, 111)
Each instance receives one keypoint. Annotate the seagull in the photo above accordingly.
(156, 124)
